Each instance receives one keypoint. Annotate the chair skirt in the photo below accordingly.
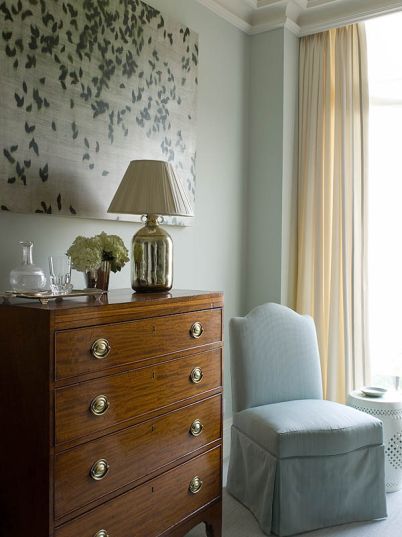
(299, 494)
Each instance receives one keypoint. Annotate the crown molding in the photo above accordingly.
(319, 3)
(279, 15)
(302, 17)
(239, 20)
(337, 13)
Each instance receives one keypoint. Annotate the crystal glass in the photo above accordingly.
(60, 274)
(27, 277)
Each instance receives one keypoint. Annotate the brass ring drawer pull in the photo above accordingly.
(196, 375)
(99, 405)
(196, 428)
(99, 470)
(196, 330)
(101, 533)
(100, 348)
(195, 485)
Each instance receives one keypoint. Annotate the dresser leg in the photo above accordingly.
(214, 530)
(213, 523)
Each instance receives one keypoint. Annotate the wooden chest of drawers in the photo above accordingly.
(111, 416)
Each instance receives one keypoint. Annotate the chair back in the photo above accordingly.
(274, 357)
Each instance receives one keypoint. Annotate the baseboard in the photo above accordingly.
(227, 424)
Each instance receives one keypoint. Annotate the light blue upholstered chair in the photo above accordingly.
(297, 462)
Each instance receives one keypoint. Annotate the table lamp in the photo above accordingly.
(151, 188)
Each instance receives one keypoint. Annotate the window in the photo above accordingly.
(384, 42)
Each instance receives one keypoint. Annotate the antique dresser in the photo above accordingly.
(111, 415)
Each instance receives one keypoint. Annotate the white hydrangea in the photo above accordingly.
(87, 253)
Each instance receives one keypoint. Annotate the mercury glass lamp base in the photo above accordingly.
(152, 258)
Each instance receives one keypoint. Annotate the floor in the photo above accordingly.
(239, 522)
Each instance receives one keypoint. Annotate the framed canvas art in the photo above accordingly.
(86, 87)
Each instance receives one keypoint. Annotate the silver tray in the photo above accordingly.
(45, 296)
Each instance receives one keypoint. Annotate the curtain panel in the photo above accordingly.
(332, 202)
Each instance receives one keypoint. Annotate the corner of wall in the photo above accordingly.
(264, 234)
(290, 157)
(272, 168)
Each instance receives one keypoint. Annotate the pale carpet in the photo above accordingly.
(239, 522)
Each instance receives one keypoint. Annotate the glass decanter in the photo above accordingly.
(27, 277)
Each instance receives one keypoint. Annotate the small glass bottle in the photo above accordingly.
(27, 277)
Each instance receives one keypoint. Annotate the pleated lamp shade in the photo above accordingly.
(151, 187)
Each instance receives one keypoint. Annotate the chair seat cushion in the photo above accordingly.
(309, 427)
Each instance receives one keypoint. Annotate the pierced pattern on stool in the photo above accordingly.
(396, 413)
(394, 451)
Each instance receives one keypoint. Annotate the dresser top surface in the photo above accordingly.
(118, 297)
(118, 305)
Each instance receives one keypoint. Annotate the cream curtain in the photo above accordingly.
(332, 202)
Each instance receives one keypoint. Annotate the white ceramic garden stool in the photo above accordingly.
(388, 409)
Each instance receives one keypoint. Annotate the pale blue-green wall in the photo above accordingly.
(272, 142)
(208, 255)
(289, 175)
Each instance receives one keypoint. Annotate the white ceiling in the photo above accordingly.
(303, 17)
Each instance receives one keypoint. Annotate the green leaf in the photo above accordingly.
(8, 156)
(44, 173)
(19, 100)
(34, 146)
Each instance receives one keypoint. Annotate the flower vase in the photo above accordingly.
(99, 278)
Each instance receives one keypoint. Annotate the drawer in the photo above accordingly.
(151, 508)
(132, 454)
(87, 350)
(92, 406)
